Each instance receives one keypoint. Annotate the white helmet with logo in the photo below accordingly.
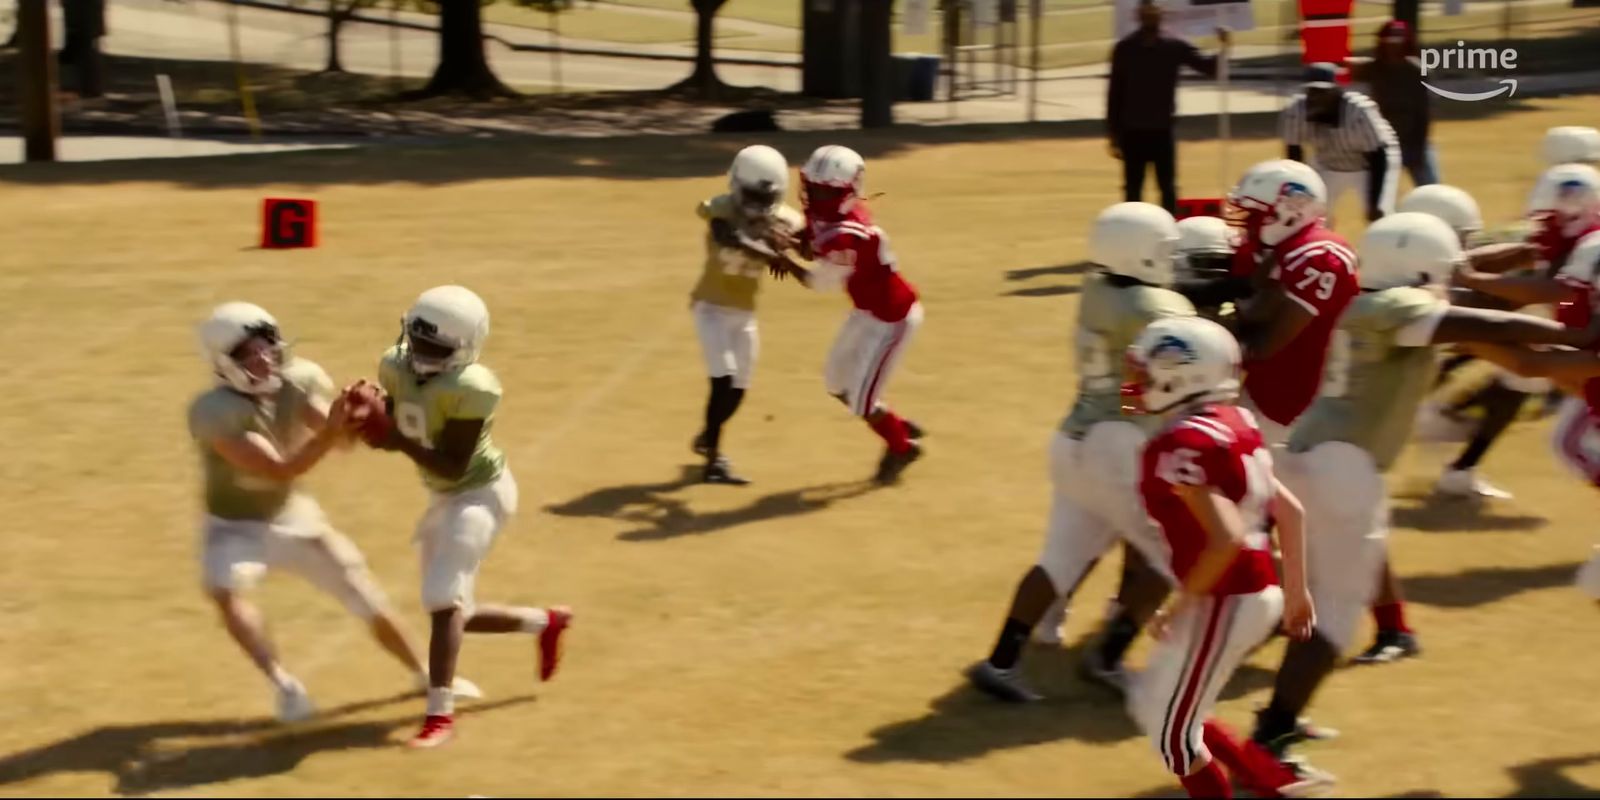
(758, 180)
(1583, 264)
(1137, 240)
(231, 325)
(1408, 249)
(1568, 144)
(1453, 205)
(445, 329)
(834, 167)
(1570, 191)
(1180, 361)
(1276, 199)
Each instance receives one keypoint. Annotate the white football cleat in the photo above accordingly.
(460, 687)
(1432, 425)
(294, 704)
(1467, 483)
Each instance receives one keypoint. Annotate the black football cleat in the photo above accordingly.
(914, 431)
(718, 470)
(893, 463)
(1390, 646)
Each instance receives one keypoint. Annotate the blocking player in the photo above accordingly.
(1380, 366)
(1094, 458)
(1502, 399)
(1206, 479)
(269, 420)
(724, 299)
(1571, 144)
(439, 408)
(1576, 437)
(1206, 269)
(850, 249)
(1310, 279)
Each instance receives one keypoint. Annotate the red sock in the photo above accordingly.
(1391, 617)
(1249, 762)
(1208, 782)
(893, 431)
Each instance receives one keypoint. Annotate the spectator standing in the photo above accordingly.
(1394, 82)
(1355, 147)
(1142, 99)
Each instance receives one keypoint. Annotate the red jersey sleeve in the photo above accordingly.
(1320, 277)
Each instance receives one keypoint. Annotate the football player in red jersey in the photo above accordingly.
(1310, 278)
(849, 249)
(1206, 479)
(1564, 207)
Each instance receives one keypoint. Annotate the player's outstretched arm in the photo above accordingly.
(1515, 289)
(1503, 257)
(1461, 325)
(451, 457)
(1569, 369)
(1273, 320)
(254, 454)
(1298, 613)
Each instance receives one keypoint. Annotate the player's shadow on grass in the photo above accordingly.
(964, 724)
(1484, 585)
(1429, 511)
(160, 756)
(1543, 778)
(663, 516)
(1050, 290)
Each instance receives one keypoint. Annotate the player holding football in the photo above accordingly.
(1094, 458)
(739, 224)
(1380, 366)
(269, 420)
(849, 249)
(1206, 479)
(438, 408)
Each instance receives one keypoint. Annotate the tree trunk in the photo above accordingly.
(336, 19)
(704, 81)
(463, 65)
(877, 66)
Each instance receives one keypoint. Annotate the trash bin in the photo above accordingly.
(916, 75)
(924, 78)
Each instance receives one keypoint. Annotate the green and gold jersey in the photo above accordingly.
(223, 413)
(730, 277)
(1373, 380)
(422, 407)
(1110, 317)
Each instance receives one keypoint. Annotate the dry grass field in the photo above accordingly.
(801, 636)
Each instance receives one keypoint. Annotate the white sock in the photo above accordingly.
(534, 620)
(282, 680)
(441, 701)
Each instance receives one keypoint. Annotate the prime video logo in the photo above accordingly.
(1479, 58)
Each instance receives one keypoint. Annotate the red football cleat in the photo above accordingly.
(550, 641)
(436, 730)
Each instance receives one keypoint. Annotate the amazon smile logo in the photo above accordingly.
(1475, 58)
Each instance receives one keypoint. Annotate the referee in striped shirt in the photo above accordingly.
(1355, 148)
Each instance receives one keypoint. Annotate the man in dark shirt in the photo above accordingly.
(1142, 98)
(1394, 79)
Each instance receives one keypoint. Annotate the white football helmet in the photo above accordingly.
(837, 168)
(1453, 205)
(1206, 245)
(1408, 249)
(1276, 199)
(1570, 193)
(231, 325)
(758, 180)
(445, 329)
(1583, 264)
(1181, 361)
(1137, 240)
(1571, 144)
